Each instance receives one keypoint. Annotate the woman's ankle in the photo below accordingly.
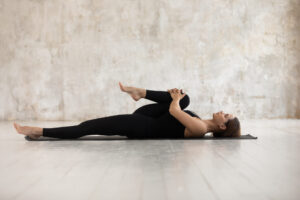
(38, 131)
(142, 92)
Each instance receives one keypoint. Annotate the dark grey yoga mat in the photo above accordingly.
(103, 137)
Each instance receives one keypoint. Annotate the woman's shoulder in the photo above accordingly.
(193, 114)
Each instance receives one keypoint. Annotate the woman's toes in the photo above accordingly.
(17, 127)
(27, 130)
(125, 88)
(134, 93)
(121, 86)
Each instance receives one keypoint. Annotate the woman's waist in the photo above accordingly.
(167, 128)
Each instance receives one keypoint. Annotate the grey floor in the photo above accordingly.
(116, 168)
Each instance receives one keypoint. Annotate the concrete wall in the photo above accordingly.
(62, 59)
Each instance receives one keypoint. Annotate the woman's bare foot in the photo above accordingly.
(32, 132)
(135, 93)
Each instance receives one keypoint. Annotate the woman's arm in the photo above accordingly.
(196, 126)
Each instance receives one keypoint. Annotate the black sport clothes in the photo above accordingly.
(148, 121)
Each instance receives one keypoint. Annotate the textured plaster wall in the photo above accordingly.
(62, 59)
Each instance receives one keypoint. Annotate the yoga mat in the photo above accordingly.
(100, 137)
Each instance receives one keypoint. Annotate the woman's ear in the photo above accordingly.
(222, 127)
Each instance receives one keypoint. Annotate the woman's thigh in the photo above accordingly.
(169, 126)
(130, 125)
(154, 110)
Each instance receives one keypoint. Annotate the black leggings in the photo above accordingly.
(148, 121)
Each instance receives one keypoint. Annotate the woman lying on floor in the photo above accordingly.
(164, 119)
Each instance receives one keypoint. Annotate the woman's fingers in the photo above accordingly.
(176, 93)
(175, 90)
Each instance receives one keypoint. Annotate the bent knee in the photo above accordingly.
(184, 102)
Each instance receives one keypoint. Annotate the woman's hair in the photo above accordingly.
(233, 129)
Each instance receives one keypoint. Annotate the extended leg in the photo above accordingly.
(125, 125)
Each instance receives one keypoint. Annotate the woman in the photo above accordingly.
(164, 119)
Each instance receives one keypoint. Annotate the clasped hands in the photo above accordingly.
(176, 94)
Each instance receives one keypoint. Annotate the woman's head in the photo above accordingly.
(228, 125)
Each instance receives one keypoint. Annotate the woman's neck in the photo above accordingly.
(211, 126)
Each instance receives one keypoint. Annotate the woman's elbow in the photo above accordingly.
(197, 134)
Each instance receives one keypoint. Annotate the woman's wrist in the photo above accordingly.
(174, 105)
(176, 100)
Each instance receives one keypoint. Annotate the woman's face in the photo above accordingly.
(221, 117)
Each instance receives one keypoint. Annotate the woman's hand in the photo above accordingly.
(176, 94)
